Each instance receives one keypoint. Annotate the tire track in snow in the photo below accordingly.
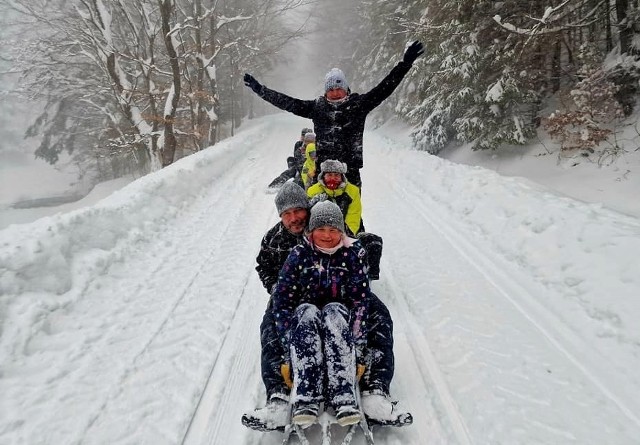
(226, 381)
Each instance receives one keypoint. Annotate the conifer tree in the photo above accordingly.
(475, 89)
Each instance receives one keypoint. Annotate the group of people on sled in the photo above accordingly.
(325, 333)
(301, 167)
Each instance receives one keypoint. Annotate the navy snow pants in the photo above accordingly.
(379, 358)
(323, 355)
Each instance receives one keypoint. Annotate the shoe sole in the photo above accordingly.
(304, 419)
(349, 420)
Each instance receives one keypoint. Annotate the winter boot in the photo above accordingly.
(348, 415)
(274, 415)
(304, 413)
(381, 410)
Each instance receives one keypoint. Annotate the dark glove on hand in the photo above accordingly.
(252, 83)
(414, 51)
(318, 198)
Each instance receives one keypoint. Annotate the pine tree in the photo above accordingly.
(475, 90)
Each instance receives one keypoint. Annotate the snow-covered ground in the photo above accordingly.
(135, 320)
(14, 213)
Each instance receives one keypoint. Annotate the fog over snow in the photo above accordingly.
(135, 320)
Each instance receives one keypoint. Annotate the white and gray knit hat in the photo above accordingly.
(326, 213)
(333, 166)
(335, 79)
(291, 196)
(310, 137)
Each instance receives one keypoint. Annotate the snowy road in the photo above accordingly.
(136, 321)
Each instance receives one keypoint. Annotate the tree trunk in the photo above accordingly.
(556, 65)
(607, 25)
(171, 107)
(625, 31)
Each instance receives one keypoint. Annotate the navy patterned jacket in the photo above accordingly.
(310, 276)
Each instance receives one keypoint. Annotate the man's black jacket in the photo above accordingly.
(274, 250)
(339, 126)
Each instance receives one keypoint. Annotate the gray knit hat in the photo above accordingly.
(291, 196)
(326, 213)
(310, 137)
(335, 79)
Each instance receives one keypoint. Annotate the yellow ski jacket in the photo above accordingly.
(347, 197)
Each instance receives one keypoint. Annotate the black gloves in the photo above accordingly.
(252, 83)
(414, 51)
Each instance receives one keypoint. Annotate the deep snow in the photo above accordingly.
(135, 320)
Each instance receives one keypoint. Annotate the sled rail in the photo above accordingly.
(326, 421)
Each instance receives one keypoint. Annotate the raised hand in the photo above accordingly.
(414, 51)
(252, 83)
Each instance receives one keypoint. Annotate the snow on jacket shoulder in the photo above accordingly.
(274, 250)
(310, 276)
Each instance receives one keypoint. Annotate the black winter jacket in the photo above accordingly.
(274, 250)
(339, 126)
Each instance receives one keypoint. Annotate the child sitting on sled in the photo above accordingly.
(308, 172)
(320, 303)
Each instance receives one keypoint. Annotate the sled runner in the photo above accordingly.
(326, 421)
(325, 425)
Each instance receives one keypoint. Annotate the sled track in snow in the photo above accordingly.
(240, 348)
(430, 371)
(230, 346)
(515, 294)
(223, 231)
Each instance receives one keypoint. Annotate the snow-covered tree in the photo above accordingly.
(475, 89)
(594, 69)
(378, 52)
(139, 78)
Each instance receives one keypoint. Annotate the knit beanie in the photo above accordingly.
(310, 137)
(326, 213)
(291, 196)
(335, 79)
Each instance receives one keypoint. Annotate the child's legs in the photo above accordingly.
(306, 354)
(339, 355)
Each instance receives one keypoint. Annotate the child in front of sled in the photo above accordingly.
(320, 306)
